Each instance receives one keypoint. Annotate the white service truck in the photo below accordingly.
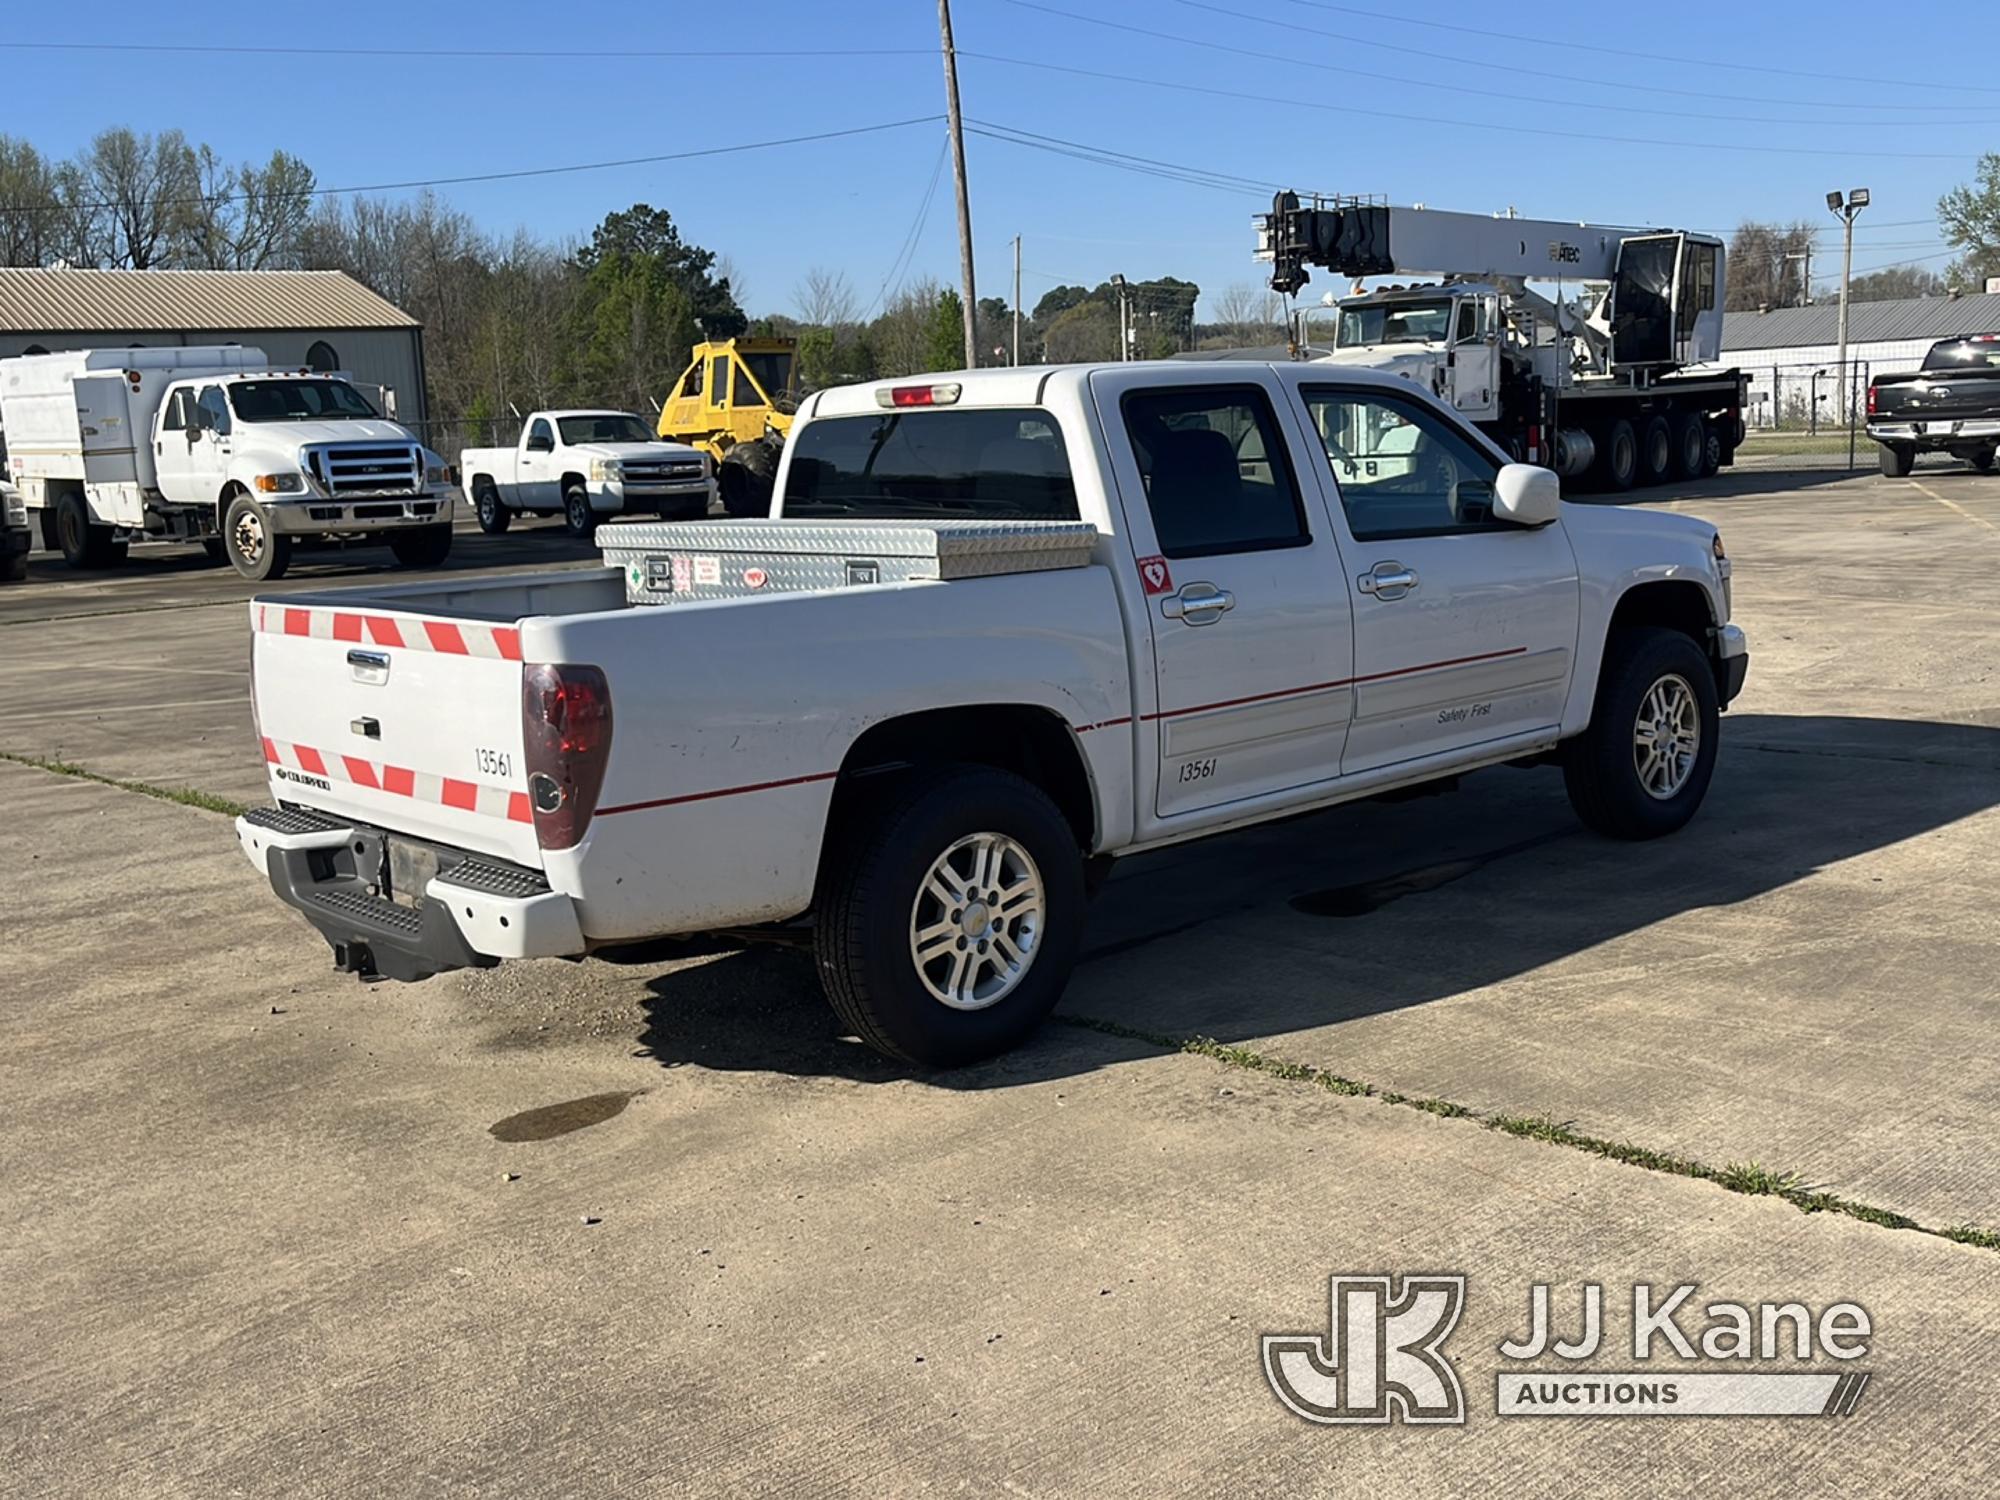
(584, 466)
(1001, 626)
(1569, 344)
(211, 445)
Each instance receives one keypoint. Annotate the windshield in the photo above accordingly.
(604, 427)
(297, 401)
(772, 372)
(1982, 351)
(1394, 323)
(974, 465)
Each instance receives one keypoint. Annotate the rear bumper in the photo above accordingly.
(1936, 434)
(470, 915)
(315, 515)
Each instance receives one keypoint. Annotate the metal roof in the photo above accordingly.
(65, 301)
(1867, 322)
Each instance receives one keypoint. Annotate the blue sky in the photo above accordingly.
(1356, 98)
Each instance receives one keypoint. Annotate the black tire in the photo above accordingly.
(1601, 766)
(1714, 451)
(51, 539)
(1618, 456)
(83, 545)
(1982, 460)
(578, 518)
(747, 476)
(1656, 451)
(1690, 446)
(1896, 459)
(868, 907)
(421, 547)
(15, 569)
(216, 550)
(254, 549)
(494, 517)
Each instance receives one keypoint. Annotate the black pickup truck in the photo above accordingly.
(1951, 405)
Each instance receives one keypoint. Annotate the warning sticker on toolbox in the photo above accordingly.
(683, 573)
(707, 569)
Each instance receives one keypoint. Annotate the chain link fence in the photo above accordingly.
(1806, 416)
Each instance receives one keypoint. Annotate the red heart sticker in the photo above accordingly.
(754, 577)
(1154, 576)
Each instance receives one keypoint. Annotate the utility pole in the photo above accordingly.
(1857, 199)
(958, 181)
(1805, 284)
(1124, 338)
(1017, 299)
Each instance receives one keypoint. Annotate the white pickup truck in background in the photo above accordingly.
(208, 444)
(1003, 625)
(585, 465)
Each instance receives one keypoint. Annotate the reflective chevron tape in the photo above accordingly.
(447, 637)
(302, 763)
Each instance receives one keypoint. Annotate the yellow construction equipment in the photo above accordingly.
(735, 402)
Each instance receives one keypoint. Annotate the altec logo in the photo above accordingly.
(1381, 1358)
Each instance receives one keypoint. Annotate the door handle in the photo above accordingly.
(1387, 580)
(1197, 604)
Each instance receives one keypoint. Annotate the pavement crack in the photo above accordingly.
(1748, 1178)
(186, 796)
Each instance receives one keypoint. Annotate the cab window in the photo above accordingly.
(718, 382)
(1402, 470)
(540, 438)
(746, 391)
(176, 417)
(214, 410)
(692, 385)
(1215, 471)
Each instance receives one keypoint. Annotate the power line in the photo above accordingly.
(598, 54)
(1458, 88)
(906, 255)
(1432, 56)
(1475, 125)
(512, 175)
(1124, 161)
(1651, 57)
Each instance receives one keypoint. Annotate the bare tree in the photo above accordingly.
(1248, 314)
(31, 214)
(248, 218)
(824, 299)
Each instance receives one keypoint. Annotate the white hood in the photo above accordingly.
(286, 436)
(1415, 361)
(635, 450)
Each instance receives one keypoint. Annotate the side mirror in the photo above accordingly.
(1527, 495)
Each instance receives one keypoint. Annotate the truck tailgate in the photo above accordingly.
(405, 721)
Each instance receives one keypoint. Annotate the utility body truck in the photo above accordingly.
(211, 445)
(1002, 626)
(584, 466)
(1589, 381)
(1951, 405)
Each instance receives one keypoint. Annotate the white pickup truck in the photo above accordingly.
(1296, 585)
(208, 444)
(585, 465)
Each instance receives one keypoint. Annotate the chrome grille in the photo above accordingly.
(680, 471)
(343, 469)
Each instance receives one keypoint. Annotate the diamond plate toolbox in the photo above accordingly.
(681, 562)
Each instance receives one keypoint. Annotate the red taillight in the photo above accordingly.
(566, 741)
(944, 394)
(911, 395)
(1871, 400)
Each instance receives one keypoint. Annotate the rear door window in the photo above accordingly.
(1216, 475)
(990, 464)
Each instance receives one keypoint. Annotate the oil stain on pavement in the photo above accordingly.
(552, 1120)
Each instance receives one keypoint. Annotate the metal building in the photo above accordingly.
(1792, 354)
(322, 320)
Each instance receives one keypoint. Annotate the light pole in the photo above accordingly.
(1857, 199)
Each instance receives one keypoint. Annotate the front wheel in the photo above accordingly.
(255, 551)
(493, 516)
(949, 921)
(1982, 460)
(421, 547)
(1896, 460)
(578, 517)
(1643, 766)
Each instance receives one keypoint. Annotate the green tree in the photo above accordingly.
(946, 342)
(644, 239)
(1970, 218)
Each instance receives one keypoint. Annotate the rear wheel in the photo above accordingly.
(1643, 766)
(1690, 446)
(577, 514)
(421, 547)
(1896, 459)
(254, 549)
(949, 921)
(1618, 461)
(1656, 451)
(83, 544)
(493, 516)
(1712, 450)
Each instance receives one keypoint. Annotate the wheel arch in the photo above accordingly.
(230, 490)
(1672, 604)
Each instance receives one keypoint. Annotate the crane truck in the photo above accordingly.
(1592, 380)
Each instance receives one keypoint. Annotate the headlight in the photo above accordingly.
(280, 484)
(607, 469)
(437, 474)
